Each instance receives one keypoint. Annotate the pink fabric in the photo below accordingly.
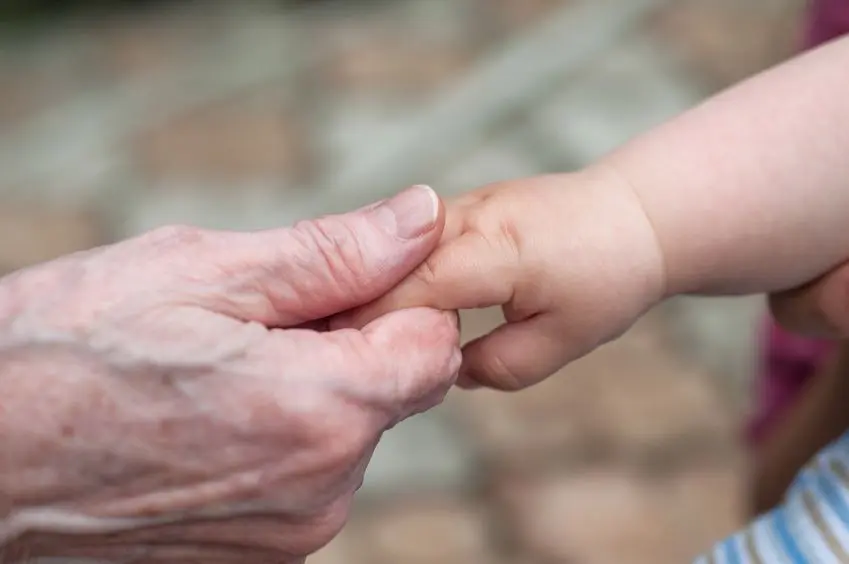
(788, 361)
(828, 19)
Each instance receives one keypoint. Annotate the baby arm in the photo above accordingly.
(748, 192)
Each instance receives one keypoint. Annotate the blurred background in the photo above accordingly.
(119, 116)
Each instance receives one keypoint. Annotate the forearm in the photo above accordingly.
(749, 192)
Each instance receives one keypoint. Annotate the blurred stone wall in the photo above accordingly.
(246, 115)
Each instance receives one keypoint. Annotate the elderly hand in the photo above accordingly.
(177, 397)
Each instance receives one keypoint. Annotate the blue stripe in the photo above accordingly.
(831, 496)
(791, 549)
(842, 441)
(732, 551)
(804, 480)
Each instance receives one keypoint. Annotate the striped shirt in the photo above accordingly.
(810, 527)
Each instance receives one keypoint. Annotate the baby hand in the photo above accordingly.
(571, 259)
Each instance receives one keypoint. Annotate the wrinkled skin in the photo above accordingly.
(163, 400)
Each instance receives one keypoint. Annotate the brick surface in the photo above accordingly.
(346, 128)
(255, 136)
(20, 98)
(632, 88)
(515, 15)
(648, 399)
(633, 400)
(225, 205)
(426, 530)
(38, 76)
(709, 502)
(31, 234)
(385, 61)
(342, 550)
(608, 515)
(136, 50)
(145, 41)
(528, 429)
(721, 335)
(501, 159)
(726, 40)
(32, 85)
(423, 452)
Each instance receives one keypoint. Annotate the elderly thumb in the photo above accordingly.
(345, 261)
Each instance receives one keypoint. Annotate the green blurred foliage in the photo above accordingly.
(15, 13)
(23, 12)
